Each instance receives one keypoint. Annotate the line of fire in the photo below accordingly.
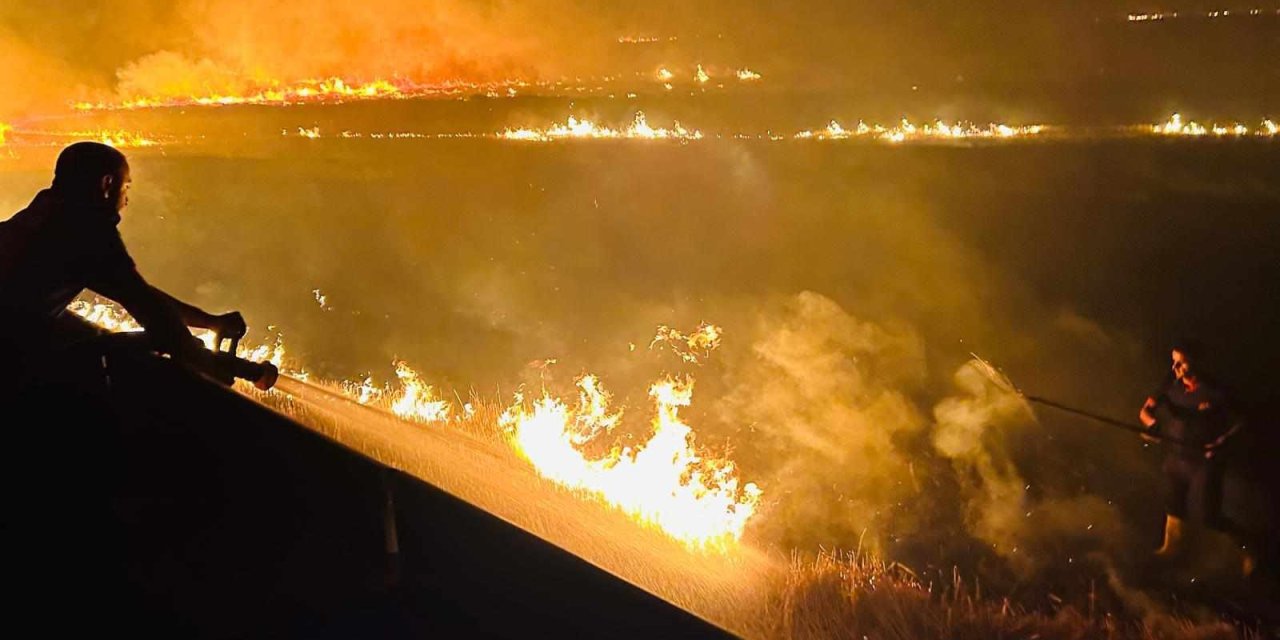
(868, 319)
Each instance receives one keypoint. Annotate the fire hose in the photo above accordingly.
(227, 366)
(222, 366)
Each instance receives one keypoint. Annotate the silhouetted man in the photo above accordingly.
(63, 534)
(66, 241)
(1194, 411)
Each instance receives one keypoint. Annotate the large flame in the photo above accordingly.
(664, 482)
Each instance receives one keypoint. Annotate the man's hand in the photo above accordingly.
(1147, 413)
(229, 325)
(1211, 449)
(1148, 418)
(192, 352)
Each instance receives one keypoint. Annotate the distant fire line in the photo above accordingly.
(576, 128)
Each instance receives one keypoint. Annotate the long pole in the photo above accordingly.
(1107, 421)
(1003, 381)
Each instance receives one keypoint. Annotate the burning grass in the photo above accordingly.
(833, 595)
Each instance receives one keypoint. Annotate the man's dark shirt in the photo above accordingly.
(53, 250)
(56, 248)
(1195, 417)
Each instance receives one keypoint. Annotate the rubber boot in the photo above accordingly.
(1172, 537)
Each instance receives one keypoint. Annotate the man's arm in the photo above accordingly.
(163, 322)
(115, 275)
(1237, 421)
(193, 316)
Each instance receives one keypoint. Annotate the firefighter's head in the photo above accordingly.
(1186, 356)
(95, 172)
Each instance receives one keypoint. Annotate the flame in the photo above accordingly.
(664, 483)
(1176, 127)
(416, 401)
(327, 90)
(364, 391)
(336, 90)
(116, 138)
(107, 315)
(906, 131)
(112, 137)
(700, 76)
(747, 75)
(586, 129)
(664, 75)
(704, 340)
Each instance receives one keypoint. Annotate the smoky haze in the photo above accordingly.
(852, 280)
(1077, 62)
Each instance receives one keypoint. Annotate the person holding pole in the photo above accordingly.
(1193, 410)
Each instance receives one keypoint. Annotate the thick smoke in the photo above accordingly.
(827, 395)
(974, 429)
(859, 447)
(239, 44)
(26, 92)
(135, 48)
